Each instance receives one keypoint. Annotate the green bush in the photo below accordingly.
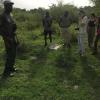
(56, 28)
(73, 33)
(65, 60)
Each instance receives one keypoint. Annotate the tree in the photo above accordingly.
(1, 3)
(97, 6)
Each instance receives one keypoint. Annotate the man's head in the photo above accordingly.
(93, 15)
(8, 5)
(66, 13)
(47, 13)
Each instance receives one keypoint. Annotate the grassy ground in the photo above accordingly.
(54, 75)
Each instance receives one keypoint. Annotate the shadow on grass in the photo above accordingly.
(66, 62)
(91, 76)
(98, 55)
(23, 51)
(3, 81)
(3, 86)
(41, 54)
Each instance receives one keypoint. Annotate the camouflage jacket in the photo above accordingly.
(7, 25)
(65, 22)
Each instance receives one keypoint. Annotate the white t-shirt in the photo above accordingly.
(83, 25)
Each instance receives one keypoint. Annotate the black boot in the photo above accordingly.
(7, 74)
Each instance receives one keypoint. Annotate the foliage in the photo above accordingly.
(97, 6)
(45, 74)
(58, 11)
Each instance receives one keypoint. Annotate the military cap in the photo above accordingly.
(7, 2)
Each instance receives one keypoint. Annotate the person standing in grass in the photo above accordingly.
(82, 37)
(97, 37)
(7, 31)
(91, 30)
(64, 23)
(47, 24)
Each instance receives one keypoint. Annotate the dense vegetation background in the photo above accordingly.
(46, 74)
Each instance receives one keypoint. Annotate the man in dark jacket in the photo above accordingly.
(7, 31)
(47, 24)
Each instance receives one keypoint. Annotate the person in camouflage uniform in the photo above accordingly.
(7, 31)
(64, 23)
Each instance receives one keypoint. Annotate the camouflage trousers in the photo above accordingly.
(10, 47)
(65, 34)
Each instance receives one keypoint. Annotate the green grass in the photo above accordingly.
(55, 75)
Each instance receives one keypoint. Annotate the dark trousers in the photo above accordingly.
(10, 46)
(46, 33)
(96, 42)
(91, 35)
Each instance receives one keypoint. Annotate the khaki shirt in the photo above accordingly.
(65, 22)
